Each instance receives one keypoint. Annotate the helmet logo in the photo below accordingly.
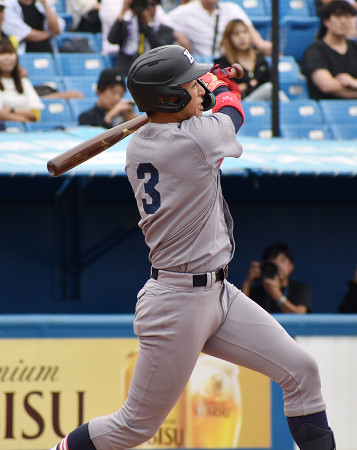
(188, 56)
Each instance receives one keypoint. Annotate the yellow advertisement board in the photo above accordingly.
(51, 386)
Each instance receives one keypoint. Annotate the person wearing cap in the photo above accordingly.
(110, 109)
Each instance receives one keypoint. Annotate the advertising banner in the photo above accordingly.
(51, 386)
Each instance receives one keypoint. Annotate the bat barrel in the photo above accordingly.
(93, 146)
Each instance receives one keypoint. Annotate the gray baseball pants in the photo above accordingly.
(175, 322)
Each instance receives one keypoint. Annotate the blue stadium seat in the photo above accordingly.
(80, 64)
(313, 132)
(56, 115)
(301, 112)
(295, 90)
(253, 7)
(39, 64)
(14, 127)
(312, 7)
(207, 59)
(60, 6)
(294, 8)
(296, 34)
(87, 85)
(263, 25)
(54, 81)
(99, 41)
(292, 82)
(68, 19)
(341, 116)
(340, 131)
(78, 105)
(257, 119)
(67, 35)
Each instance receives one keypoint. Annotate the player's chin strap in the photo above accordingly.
(209, 99)
(219, 77)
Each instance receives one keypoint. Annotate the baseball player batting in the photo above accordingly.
(188, 306)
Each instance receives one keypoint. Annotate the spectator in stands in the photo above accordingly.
(203, 23)
(237, 47)
(349, 303)
(34, 23)
(141, 25)
(319, 4)
(276, 292)
(110, 12)
(110, 109)
(85, 15)
(18, 99)
(330, 64)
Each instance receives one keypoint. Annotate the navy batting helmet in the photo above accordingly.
(155, 77)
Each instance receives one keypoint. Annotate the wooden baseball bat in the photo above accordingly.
(82, 152)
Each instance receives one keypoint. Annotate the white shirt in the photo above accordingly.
(198, 24)
(14, 24)
(78, 8)
(29, 99)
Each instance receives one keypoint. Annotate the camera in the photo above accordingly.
(138, 6)
(269, 270)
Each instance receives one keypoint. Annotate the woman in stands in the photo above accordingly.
(19, 101)
(237, 47)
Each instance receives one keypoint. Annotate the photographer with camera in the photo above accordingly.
(140, 26)
(275, 291)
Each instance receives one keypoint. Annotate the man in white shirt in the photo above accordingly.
(203, 23)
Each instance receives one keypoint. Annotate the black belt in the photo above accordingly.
(199, 279)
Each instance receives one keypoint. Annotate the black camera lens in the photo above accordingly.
(269, 270)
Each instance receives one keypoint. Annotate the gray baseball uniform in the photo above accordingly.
(174, 172)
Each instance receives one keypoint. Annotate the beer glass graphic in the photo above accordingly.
(214, 406)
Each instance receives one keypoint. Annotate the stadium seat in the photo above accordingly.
(312, 7)
(56, 115)
(80, 64)
(301, 112)
(60, 40)
(53, 81)
(253, 7)
(295, 90)
(207, 59)
(60, 6)
(68, 19)
(340, 131)
(341, 116)
(296, 34)
(78, 105)
(263, 25)
(313, 132)
(39, 64)
(87, 85)
(257, 119)
(14, 127)
(294, 8)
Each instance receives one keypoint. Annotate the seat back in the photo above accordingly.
(39, 64)
(258, 121)
(79, 64)
(56, 115)
(301, 112)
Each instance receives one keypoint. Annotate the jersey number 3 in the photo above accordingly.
(148, 168)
